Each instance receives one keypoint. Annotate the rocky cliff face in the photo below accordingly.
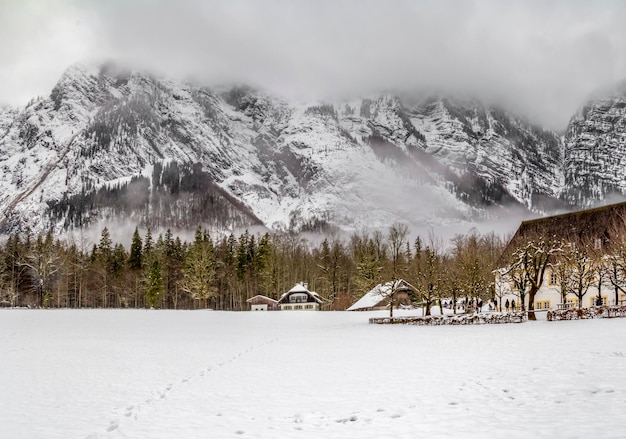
(595, 150)
(114, 144)
(498, 156)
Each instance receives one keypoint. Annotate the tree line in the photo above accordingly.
(41, 270)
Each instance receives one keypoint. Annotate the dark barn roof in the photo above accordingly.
(583, 226)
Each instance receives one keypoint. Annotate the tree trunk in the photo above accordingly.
(531, 303)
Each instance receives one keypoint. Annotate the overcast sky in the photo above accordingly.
(543, 58)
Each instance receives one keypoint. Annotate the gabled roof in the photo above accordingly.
(380, 293)
(298, 288)
(261, 297)
(578, 227)
(301, 288)
(579, 224)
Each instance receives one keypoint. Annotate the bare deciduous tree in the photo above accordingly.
(528, 264)
(396, 238)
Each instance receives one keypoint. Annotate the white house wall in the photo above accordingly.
(303, 306)
(549, 295)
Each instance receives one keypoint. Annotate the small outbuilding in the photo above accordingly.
(262, 303)
(299, 298)
(380, 296)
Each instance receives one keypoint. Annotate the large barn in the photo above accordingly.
(593, 233)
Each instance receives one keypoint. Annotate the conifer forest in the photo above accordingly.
(167, 272)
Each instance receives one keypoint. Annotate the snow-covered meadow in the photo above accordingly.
(203, 374)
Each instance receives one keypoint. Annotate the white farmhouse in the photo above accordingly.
(299, 298)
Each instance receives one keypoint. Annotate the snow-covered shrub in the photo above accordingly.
(596, 312)
(458, 319)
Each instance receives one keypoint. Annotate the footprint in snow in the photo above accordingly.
(114, 425)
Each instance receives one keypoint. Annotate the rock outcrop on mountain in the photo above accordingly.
(595, 150)
(117, 145)
(500, 158)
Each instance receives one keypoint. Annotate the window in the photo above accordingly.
(553, 278)
(597, 244)
(308, 306)
(542, 304)
(297, 307)
(593, 301)
(286, 307)
(298, 298)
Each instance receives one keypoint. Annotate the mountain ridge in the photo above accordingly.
(256, 159)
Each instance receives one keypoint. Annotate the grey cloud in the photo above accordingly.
(542, 58)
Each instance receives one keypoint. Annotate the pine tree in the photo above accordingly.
(106, 244)
(242, 256)
(154, 287)
(262, 264)
(199, 271)
(148, 245)
(103, 256)
(136, 252)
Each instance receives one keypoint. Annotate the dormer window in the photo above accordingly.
(298, 298)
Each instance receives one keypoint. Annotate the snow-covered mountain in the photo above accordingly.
(115, 144)
(499, 157)
(595, 150)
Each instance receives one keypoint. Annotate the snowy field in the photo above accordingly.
(202, 374)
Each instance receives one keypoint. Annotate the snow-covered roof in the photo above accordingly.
(373, 297)
(261, 297)
(376, 295)
(301, 288)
